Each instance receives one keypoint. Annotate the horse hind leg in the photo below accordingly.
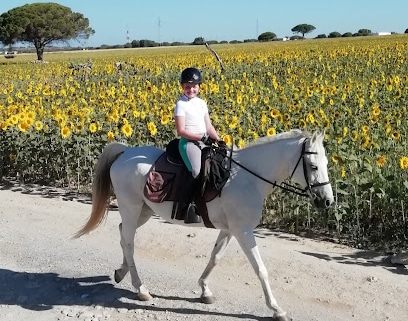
(218, 251)
(130, 222)
(145, 215)
(124, 268)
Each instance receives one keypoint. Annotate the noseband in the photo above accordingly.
(307, 191)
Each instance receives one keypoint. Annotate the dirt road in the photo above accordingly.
(46, 275)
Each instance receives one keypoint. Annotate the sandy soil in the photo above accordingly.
(46, 275)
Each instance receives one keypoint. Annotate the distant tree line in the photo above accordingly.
(303, 29)
(31, 24)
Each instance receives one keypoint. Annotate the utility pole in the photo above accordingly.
(159, 27)
(257, 31)
(127, 34)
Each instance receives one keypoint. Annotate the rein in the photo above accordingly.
(291, 188)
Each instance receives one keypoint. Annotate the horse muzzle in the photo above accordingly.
(322, 202)
(322, 197)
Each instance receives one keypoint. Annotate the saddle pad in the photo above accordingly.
(164, 180)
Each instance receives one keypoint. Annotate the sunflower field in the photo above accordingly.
(56, 117)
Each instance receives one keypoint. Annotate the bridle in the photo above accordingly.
(307, 191)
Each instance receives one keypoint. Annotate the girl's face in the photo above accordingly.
(190, 90)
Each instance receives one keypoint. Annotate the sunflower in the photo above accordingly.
(38, 125)
(22, 126)
(336, 159)
(93, 128)
(381, 160)
(387, 129)
(275, 113)
(165, 119)
(241, 143)
(111, 136)
(322, 99)
(79, 127)
(65, 132)
(227, 139)
(361, 102)
(366, 141)
(152, 128)
(271, 131)
(14, 120)
(127, 130)
(266, 100)
(404, 162)
(396, 135)
(373, 119)
(302, 123)
(376, 110)
(233, 123)
(343, 172)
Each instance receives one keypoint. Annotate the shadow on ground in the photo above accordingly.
(359, 257)
(363, 258)
(44, 291)
(48, 192)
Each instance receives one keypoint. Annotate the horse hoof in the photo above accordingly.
(208, 299)
(144, 296)
(282, 317)
(118, 277)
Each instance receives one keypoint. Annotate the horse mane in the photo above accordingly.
(293, 133)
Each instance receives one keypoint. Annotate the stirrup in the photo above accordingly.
(191, 214)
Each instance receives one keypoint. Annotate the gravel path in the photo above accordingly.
(46, 275)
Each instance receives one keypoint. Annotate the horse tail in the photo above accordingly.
(101, 187)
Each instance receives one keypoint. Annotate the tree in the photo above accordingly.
(364, 32)
(266, 36)
(334, 34)
(303, 29)
(199, 41)
(42, 24)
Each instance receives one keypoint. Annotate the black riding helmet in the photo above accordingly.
(191, 75)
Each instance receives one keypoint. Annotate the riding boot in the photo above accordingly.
(186, 209)
(191, 215)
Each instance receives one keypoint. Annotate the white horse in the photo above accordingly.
(256, 171)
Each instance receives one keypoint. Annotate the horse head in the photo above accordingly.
(311, 171)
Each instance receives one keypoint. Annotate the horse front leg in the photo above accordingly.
(246, 240)
(218, 251)
(127, 237)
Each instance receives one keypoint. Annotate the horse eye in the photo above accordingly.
(313, 167)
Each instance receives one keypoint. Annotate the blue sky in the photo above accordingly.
(175, 20)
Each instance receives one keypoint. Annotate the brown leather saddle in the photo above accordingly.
(168, 174)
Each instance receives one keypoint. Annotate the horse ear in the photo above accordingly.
(323, 133)
(314, 136)
(318, 135)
